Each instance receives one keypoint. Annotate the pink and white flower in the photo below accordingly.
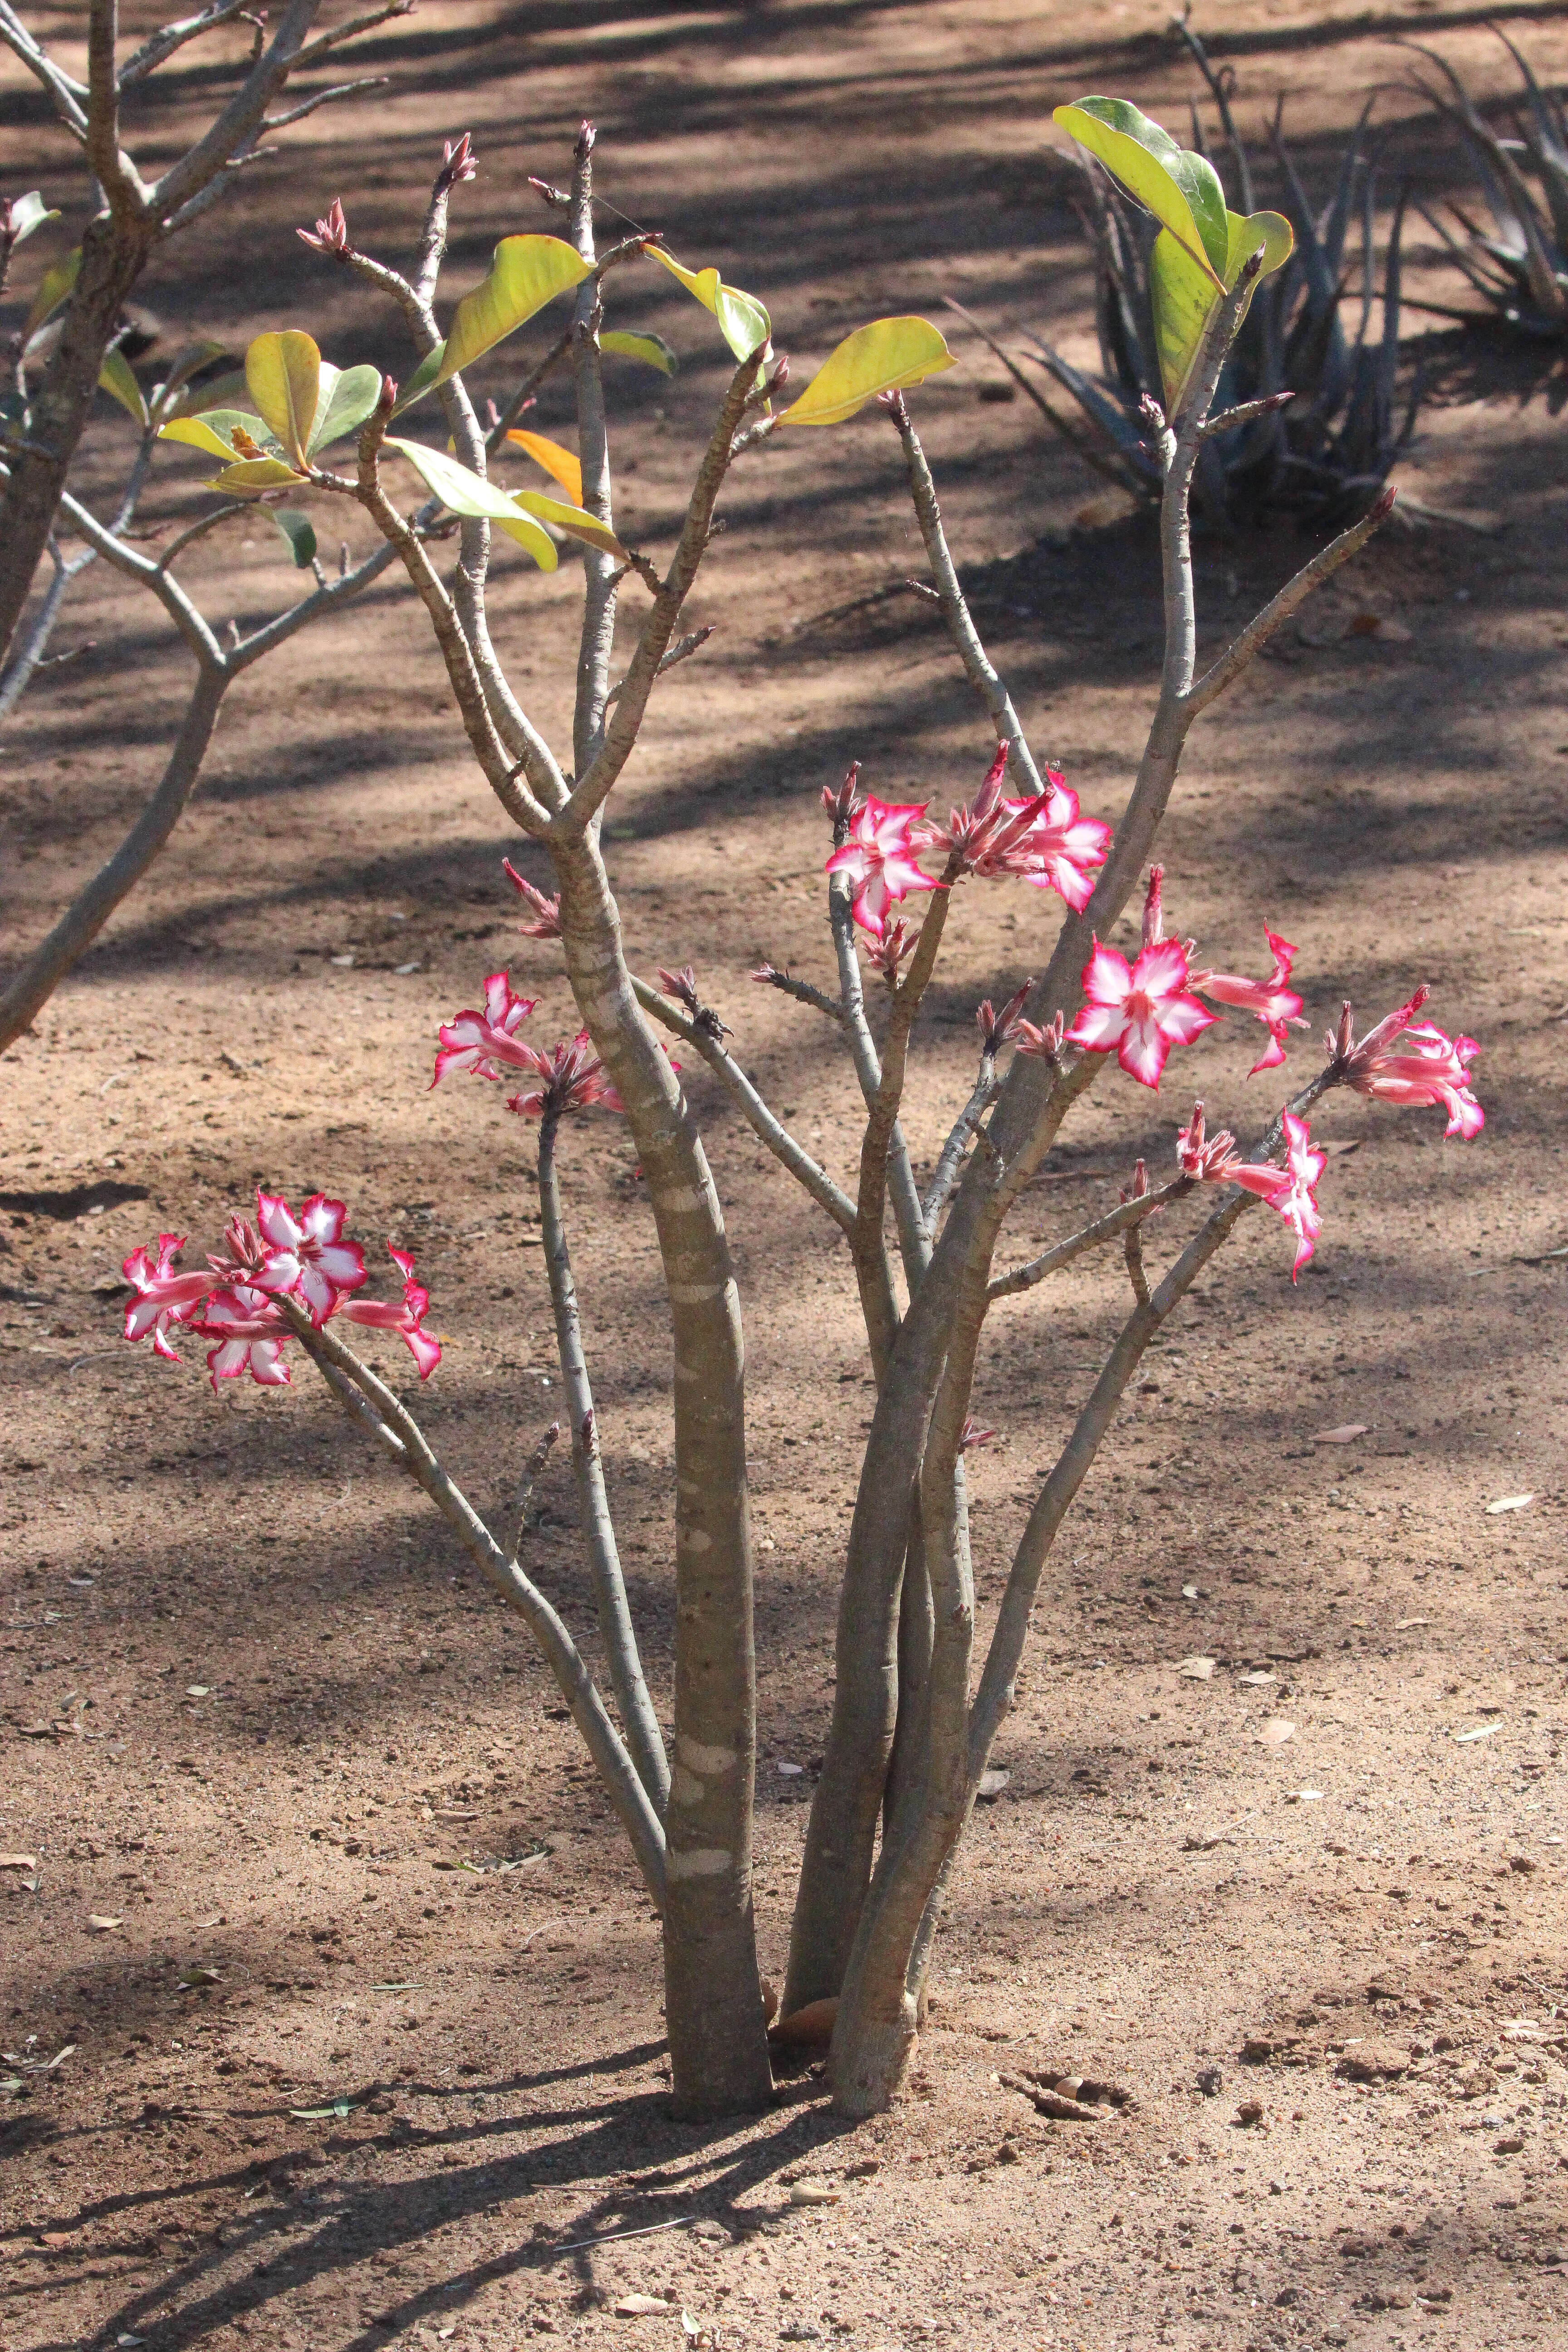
(1042, 839)
(405, 1317)
(1139, 1011)
(885, 839)
(546, 923)
(1437, 1069)
(486, 1043)
(249, 1329)
(164, 1299)
(1289, 1191)
(1277, 1006)
(305, 1255)
(571, 1078)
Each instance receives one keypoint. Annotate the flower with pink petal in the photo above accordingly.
(546, 923)
(480, 1041)
(1042, 839)
(1139, 1012)
(306, 1255)
(405, 1317)
(884, 840)
(332, 234)
(1277, 1006)
(1290, 1190)
(571, 1078)
(1437, 1069)
(164, 1299)
(249, 1329)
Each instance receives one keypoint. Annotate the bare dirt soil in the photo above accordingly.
(371, 2051)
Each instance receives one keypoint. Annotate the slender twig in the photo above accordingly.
(914, 1241)
(762, 1122)
(533, 1470)
(64, 89)
(682, 650)
(323, 98)
(616, 1628)
(350, 30)
(804, 993)
(164, 43)
(986, 1086)
(1279, 608)
(617, 1771)
(1129, 1215)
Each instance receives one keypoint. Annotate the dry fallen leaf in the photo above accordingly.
(1404, 1623)
(19, 1861)
(100, 1921)
(1277, 1731)
(641, 2306)
(1197, 1670)
(1256, 1681)
(1484, 1731)
(1345, 1434)
(1304, 1796)
(991, 1785)
(813, 2192)
(1508, 1503)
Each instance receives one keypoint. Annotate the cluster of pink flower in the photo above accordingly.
(1042, 839)
(234, 1300)
(570, 1078)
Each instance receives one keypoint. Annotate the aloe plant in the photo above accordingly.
(1521, 265)
(1319, 425)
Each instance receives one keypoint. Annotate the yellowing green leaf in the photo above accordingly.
(53, 287)
(420, 381)
(652, 350)
(116, 378)
(571, 519)
(197, 434)
(557, 462)
(742, 321)
(1181, 189)
(283, 373)
(885, 356)
(252, 474)
(348, 396)
(1183, 298)
(465, 494)
(526, 272)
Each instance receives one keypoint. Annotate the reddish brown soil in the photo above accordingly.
(257, 1710)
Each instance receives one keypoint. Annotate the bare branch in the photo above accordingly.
(63, 87)
(323, 98)
(533, 1470)
(116, 175)
(1229, 418)
(1121, 1220)
(987, 1086)
(759, 1117)
(803, 992)
(914, 1241)
(978, 665)
(163, 44)
(616, 1628)
(615, 1769)
(234, 129)
(351, 31)
(1132, 1249)
(191, 624)
(1279, 608)
(682, 650)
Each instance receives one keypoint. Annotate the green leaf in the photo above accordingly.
(251, 475)
(420, 381)
(526, 272)
(1181, 189)
(348, 396)
(115, 378)
(197, 434)
(572, 519)
(53, 287)
(284, 374)
(298, 533)
(465, 494)
(885, 356)
(742, 321)
(226, 391)
(28, 213)
(558, 463)
(1184, 298)
(338, 2108)
(652, 350)
(171, 396)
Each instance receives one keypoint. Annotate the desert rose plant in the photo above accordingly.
(915, 1710)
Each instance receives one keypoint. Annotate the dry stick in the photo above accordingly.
(978, 665)
(592, 788)
(1104, 1229)
(994, 1696)
(616, 1628)
(398, 1428)
(597, 637)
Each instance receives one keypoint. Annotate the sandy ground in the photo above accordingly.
(372, 2051)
